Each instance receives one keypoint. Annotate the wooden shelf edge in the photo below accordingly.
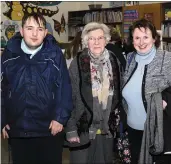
(82, 24)
(166, 37)
(166, 21)
(101, 9)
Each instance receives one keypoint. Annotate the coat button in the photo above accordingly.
(25, 133)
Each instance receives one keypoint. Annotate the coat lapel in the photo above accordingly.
(116, 80)
(85, 79)
(130, 69)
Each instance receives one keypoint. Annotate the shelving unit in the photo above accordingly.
(166, 26)
(78, 19)
(135, 12)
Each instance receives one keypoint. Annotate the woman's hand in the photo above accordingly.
(164, 104)
(74, 140)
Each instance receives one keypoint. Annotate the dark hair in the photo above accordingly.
(77, 43)
(115, 36)
(74, 46)
(37, 17)
(145, 24)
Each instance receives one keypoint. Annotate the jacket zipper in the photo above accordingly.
(53, 96)
(9, 96)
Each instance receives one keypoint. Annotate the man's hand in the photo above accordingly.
(164, 104)
(55, 127)
(4, 132)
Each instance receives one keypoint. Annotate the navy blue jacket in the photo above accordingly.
(34, 91)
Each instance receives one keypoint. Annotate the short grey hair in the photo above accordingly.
(94, 26)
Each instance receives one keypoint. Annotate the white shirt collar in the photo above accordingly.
(27, 50)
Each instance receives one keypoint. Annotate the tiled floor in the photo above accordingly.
(65, 156)
(4, 152)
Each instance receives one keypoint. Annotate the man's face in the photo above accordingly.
(33, 33)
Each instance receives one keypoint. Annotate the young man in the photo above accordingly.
(36, 94)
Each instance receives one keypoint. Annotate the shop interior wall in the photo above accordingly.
(57, 22)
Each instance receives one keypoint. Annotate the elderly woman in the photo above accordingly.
(147, 81)
(95, 82)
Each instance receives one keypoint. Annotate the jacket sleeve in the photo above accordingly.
(71, 124)
(167, 67)
(166, 96)
(78, 107)
(63, 91)
(4, 89)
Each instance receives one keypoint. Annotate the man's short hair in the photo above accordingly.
(37, 17)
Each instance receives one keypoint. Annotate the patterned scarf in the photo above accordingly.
(102, 91)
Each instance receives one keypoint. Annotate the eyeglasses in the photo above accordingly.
(93, 39)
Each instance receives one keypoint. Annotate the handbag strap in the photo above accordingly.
(121, 129)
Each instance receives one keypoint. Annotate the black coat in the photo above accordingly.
(166, 94)
(118, 51)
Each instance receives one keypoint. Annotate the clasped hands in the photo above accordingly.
(55, 128)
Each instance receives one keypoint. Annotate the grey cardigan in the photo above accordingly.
(152, 141)
(157, 76)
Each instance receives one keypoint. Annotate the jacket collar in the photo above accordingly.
(85, 79)
(132, 65)
(49, 44)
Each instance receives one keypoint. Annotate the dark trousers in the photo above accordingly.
(41, 150)
(162, 159)
(135, 138)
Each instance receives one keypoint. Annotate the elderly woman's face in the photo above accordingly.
(96, 42)
(143, 40)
